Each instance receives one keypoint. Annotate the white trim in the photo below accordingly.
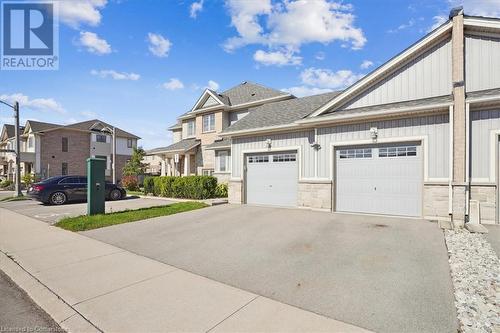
(482, 99)
(270, 151)
(205, 92)
(492, 23)
(467, 158)
(494, 136)
(365, 81)
(451, 162)
(423, 139)
(259, 130)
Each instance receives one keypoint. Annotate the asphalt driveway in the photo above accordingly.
(383, 274)
(52, 214)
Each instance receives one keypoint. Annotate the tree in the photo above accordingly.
(134, 166)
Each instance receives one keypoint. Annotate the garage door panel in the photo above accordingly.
(387, 181)
(272, 179)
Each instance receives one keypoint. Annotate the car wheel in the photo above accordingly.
(58, 198)
(115, 194)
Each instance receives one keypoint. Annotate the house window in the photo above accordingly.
(355, 153)
(130, 143)
(209, 122)
(64, 168)
(64, 143)
(223, 161)
(397, 151)
(207, 172)
(100, 138)
(30, 142)
(258, 159)
(191, 128)
(284, 158)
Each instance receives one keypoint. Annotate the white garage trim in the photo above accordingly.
(270, 150)
(423, 139)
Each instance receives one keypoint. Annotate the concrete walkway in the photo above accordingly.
(87, 285)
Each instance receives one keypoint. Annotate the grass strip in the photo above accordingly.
(84, 222)
(14, 199)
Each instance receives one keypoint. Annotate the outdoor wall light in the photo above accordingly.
(374, 133)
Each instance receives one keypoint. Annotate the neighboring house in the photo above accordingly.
(197, 145)
(50, 149)
(152, 165)
(419, 136)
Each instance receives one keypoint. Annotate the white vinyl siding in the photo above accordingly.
(428, 75)
(482, 63)
(208, 122)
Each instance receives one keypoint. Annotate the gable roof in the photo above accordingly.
(38, 126)
(248, 92)
(280, 113)
(181, 146)
(9, 131)
(394, 63)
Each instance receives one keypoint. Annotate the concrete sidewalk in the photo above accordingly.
(87, 285)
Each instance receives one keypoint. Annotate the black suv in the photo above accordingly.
(61, 189)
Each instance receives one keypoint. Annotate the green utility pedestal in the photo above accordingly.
(96, 186)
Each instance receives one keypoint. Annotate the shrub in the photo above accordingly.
(6, 183)
(221, 190)
(28, 179)
(190, 187)
(130, 183)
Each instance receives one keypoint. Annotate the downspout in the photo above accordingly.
(467, 161)
(316, 153)
(450, 166)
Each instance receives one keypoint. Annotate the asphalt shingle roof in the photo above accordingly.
(38, 126)
(10, 130)
(250, 92)
(86, 126)
(280, 113)
(226, 142)
(182, 145)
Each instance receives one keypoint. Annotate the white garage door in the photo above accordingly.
(380, 179)
(271, 179)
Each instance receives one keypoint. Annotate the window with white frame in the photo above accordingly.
(223, 161)
(207, 172)
(191, 128)
(397, 151)
(258, 159)
(209, 122)
(100, 138)
(130, 143)
(30, 142)
(355, 153)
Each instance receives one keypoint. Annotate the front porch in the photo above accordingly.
(178, 159)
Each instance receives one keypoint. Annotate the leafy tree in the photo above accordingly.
(134, 167)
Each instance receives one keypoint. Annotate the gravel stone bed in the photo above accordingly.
(475, 272)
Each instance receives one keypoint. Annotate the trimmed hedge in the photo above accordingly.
(190, 187)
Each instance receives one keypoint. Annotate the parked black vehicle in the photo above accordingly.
(62, 189)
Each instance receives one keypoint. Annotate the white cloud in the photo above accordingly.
(438, 20)
(36, 104)
(320, 55)
(301, 91)
(290, 24)
(173, 84)
(115, 75)
(403, 26)
(77, 12)
(94, 43)
(319, 80)
(195, 8)
(325, 78)
(489, 8)
(159, 45)
(212, 85)
(278, 58)
(366, 64)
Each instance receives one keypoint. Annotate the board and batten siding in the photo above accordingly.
(428, 75)
(304, 139)
(482, 62)
(482, 124)
(435, 128)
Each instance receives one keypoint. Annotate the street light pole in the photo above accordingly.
(18, 192)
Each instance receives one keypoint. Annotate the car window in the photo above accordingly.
(82, 180)
(69, 180)
(50, 180)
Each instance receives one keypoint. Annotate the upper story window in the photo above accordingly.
(191, 128)
(209, 122)
(30, 142)
(64, 144)
(130, 143)
(100, 138)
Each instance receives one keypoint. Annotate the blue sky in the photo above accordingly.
(138, 64)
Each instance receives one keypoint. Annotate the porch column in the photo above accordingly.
(169, 167)
(163, 167)
(459, 181)
(187, 166)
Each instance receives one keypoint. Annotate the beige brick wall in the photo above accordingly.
(222, 177)
(436, 202)
(486, 195)
(315, 195)
(235, 192)
(51, 152)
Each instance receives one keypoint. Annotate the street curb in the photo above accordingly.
(210, 202)
(67, 317)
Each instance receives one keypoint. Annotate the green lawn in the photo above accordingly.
(84, 222)
(134, 192)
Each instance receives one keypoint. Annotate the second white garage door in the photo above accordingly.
(271, 179)
(380, 179)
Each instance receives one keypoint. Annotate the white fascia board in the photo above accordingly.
(382, 70)
(483, 99)
(491, 23)
(205, 92)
